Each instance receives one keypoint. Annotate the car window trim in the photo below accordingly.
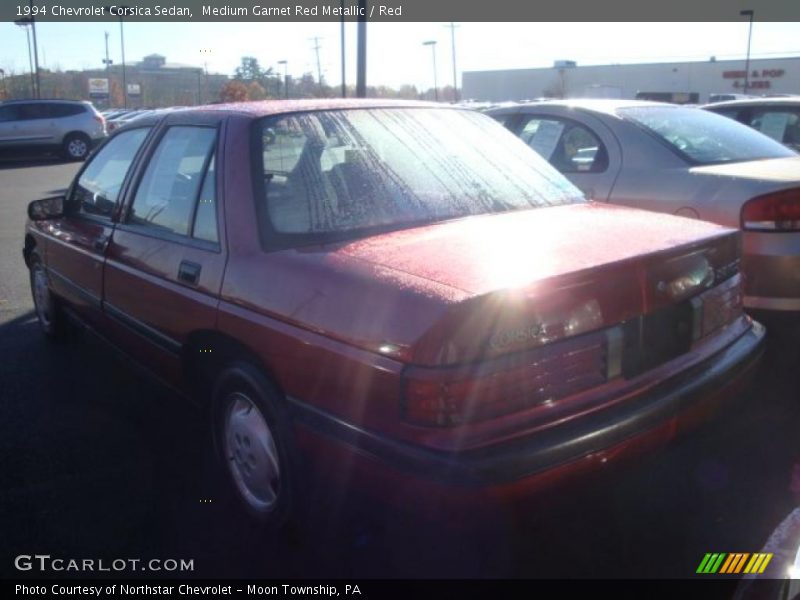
(168, 236)
(136, 180)
(193, 218)
(128, 174)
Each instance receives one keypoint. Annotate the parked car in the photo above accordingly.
(71, 127)
(397, 295)
(125, 118)
(682, 161)
(778, 117)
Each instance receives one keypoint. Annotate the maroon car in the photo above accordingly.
(398, 296)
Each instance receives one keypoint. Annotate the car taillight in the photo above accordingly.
(779, 211)
(447, 397)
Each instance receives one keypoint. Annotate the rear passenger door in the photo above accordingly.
(37, 123)
(584, 152)
(165, 264)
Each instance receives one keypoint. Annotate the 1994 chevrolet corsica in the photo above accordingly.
(397, 294)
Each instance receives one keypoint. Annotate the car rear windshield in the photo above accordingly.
(702, 137)
(338, 173)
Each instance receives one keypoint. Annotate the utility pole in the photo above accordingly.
(361, 52)
(453, 28)
(316, 48)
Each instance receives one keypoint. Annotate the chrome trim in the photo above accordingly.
(771, 303)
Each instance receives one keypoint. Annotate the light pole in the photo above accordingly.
(452, 27)
(747, 13)
(432, 44)
(35, 52)
(24, 22)
(285, 77)
(107, 62)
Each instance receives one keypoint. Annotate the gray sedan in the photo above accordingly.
(682, 161)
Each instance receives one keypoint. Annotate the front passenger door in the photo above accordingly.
(77, 242)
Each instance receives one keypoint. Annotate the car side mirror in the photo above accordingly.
(46, 208)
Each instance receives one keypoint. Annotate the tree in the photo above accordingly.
(250, 70)
(115, 93)
(255, 91)
(233, 91)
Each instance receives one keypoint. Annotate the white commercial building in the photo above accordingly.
(680, 82)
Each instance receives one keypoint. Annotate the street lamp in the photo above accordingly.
(108, 62)
(747, 13)
(35, 52)
(432, 44)
(453, 27)
(285, 77)
(24, 23)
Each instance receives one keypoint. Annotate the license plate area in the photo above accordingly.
(654, 339)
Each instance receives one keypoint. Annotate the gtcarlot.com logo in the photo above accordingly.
(45, 562)
(722, 563)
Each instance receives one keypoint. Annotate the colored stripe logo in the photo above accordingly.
(733, 563)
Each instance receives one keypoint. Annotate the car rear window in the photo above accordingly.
(702, 137)
(349, 171)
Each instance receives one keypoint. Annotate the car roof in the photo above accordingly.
(265, 108)
(601, 105)
(46, 100)
(766, 101)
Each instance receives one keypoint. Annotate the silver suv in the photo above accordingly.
(71, 127)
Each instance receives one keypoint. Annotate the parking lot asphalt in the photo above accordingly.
(97, 462)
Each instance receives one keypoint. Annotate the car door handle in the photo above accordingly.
(101, 243)
(189, 272)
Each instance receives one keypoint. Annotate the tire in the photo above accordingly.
(76, 146)
(52, 320)
(256, 456)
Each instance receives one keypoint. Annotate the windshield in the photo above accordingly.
(705, 138)
(347, 171)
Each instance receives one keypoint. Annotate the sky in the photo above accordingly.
(395, 52)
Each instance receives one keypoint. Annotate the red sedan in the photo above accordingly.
(401, 296)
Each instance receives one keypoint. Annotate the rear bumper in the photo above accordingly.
(647, 421)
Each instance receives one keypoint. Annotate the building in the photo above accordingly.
(680, 81)
(153, 82)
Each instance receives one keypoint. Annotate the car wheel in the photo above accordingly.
(51, 319)
(253, 442)
(77, 146)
